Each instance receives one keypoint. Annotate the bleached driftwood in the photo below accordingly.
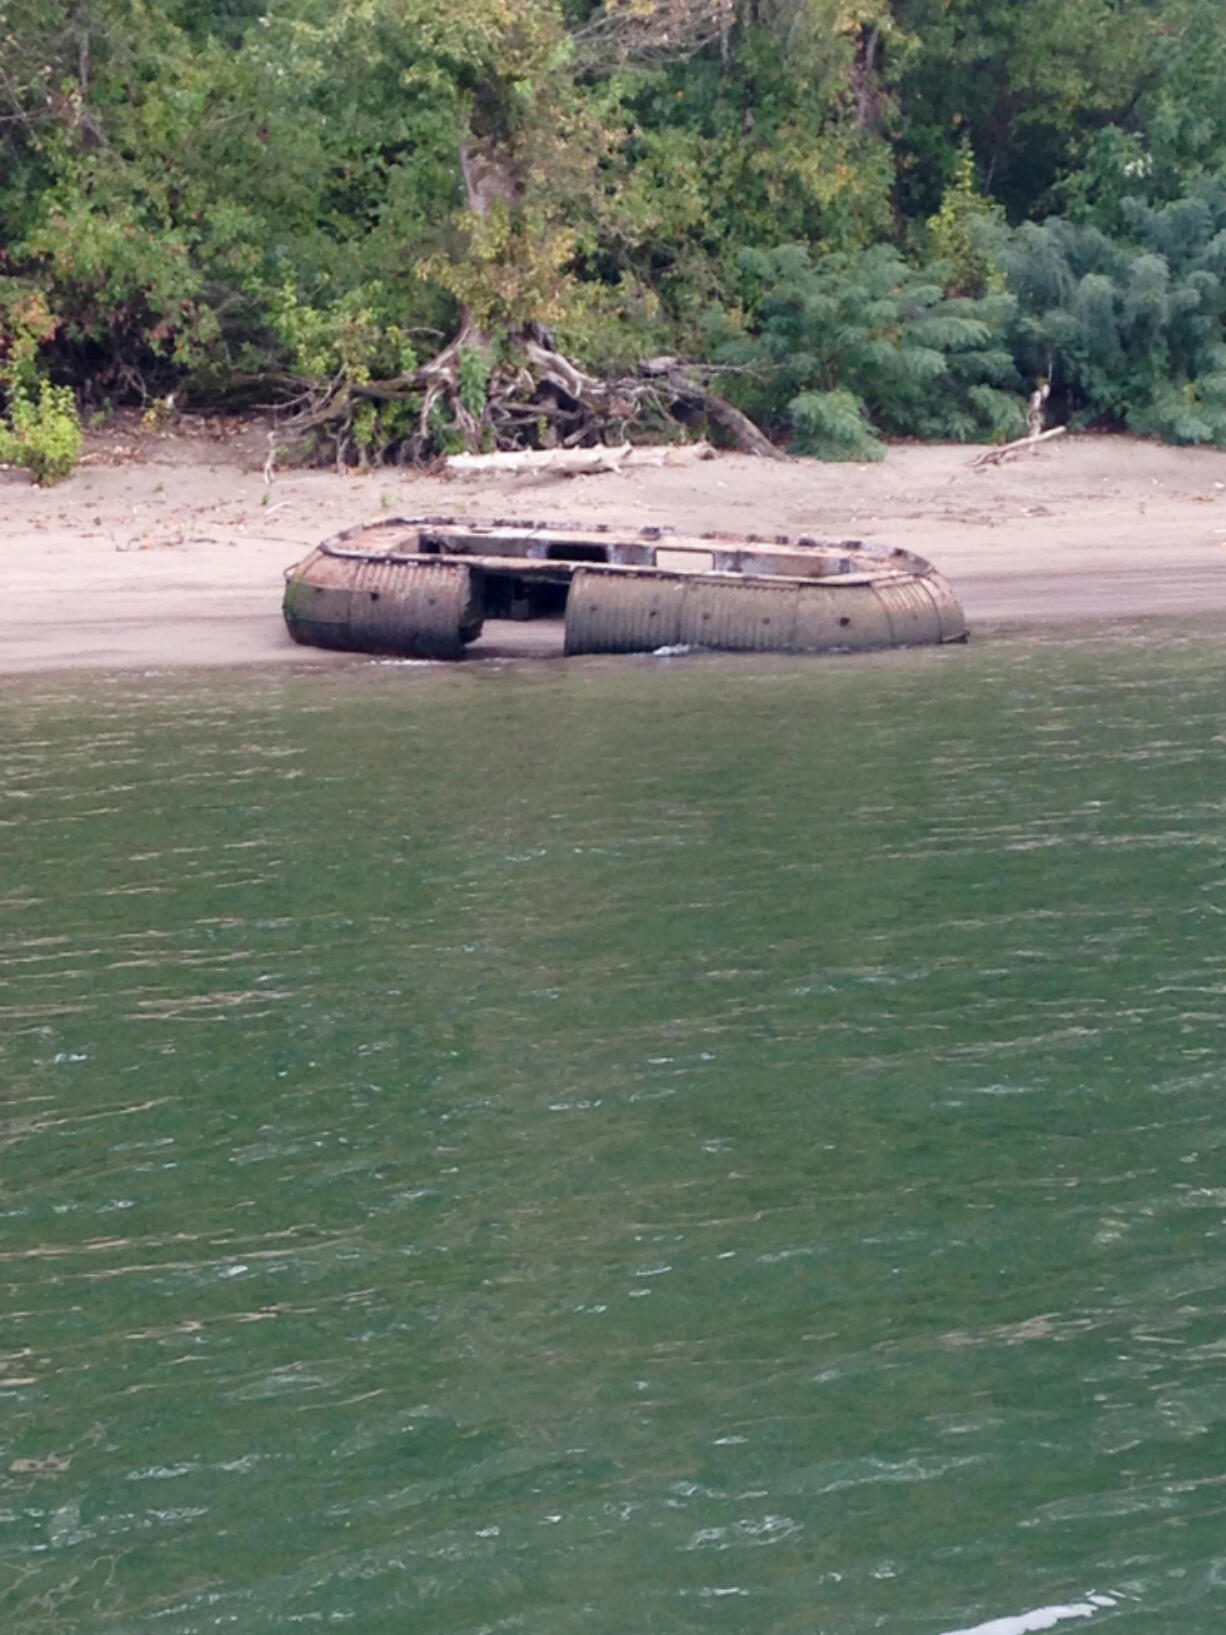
(670, 454)
(1005, 451)
(570, 462)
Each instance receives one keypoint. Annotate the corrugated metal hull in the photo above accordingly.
(369, 605)
(623, 613)
(615, 613)
(420, 587)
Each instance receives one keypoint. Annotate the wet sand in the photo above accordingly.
(167, 549)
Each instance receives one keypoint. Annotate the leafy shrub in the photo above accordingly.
(850, 346)
(44, 432)
(831, 426)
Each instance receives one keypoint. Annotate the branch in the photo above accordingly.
(739, 426)
(1005, 451)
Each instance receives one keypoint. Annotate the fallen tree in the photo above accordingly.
(475, 397)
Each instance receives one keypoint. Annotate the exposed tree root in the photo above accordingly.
(525, 396)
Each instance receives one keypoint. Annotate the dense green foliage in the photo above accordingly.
(881, 217)
(1131, 328)
(44, 431)
(845, 333)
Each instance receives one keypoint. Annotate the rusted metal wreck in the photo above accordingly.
(422, 587)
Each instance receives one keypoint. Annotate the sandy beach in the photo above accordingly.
(167, 548)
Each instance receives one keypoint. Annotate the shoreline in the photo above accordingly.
(167, 550)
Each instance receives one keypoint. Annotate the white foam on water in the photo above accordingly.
(1040, 1618)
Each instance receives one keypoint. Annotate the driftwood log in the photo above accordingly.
(571, 462)
(1006, 451)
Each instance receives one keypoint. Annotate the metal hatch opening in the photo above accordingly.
(573, 551)
(510, 596)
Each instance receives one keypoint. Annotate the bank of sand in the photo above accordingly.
(167, 549)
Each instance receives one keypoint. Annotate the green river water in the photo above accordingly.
(638, 1148)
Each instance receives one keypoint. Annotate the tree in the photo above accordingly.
(1025, 84)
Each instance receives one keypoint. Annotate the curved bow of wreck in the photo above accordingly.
(422, 587)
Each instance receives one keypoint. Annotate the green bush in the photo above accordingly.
(844, 348)
(44, 432)
(832, 426)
